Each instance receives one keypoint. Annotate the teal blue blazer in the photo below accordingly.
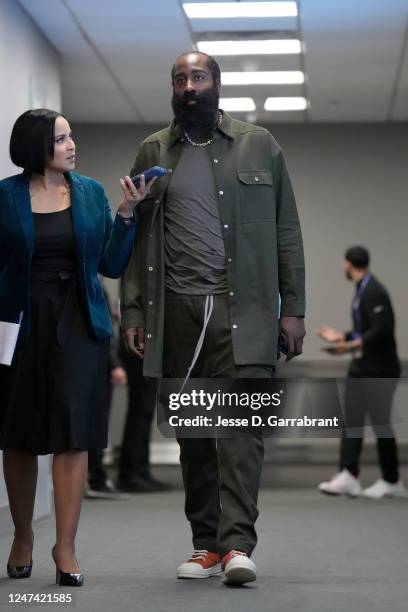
(101, 244)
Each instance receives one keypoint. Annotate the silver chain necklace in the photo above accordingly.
(203, 144)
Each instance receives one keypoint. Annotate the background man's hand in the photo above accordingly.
(293, 332)
(118, 376)
(342, 346)
(134, 340)
(329, 334)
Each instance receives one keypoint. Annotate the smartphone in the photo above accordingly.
(329, 349)
(149, 174)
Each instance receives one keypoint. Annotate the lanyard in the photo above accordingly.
(360, 291)
(356, 303)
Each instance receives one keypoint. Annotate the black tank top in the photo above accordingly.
(54, 249)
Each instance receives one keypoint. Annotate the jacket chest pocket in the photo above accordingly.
(256, 195)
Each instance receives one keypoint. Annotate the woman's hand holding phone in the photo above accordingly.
(133, 195)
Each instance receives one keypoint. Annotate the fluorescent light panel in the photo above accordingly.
(285, 104)
(249, 47)
(227, 10)
(277, 77)
(237, 104)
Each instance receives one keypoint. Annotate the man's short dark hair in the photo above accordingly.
(358, 256)
(212, 65)
(32, 139)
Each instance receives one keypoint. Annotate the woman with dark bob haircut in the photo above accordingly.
(56, 235)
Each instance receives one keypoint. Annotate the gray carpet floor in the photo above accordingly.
(315, 554)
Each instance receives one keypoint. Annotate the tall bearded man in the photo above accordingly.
(219, 243)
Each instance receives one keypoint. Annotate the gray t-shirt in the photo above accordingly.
(193, 244)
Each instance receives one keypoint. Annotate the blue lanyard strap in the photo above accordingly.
(356, 305)
(360, 291)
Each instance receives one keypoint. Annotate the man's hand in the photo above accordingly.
(118, 376)
(343, 346)
(134, 340)
(329, 334)
(293, 332)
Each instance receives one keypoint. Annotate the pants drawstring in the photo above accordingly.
(208, 308)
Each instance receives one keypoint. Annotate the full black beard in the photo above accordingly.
(200, 116)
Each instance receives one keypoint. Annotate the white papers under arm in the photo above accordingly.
(8, 340)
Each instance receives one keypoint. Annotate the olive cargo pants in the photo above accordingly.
(221, 476)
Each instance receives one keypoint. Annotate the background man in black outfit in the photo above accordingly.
(134, 465)
(99, 484)
(373, 345)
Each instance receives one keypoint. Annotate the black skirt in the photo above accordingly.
(54, 394)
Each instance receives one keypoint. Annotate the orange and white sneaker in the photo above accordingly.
(237, 568)
(202, 564)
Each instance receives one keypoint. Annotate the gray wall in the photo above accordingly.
(351, 183)
(30, 74)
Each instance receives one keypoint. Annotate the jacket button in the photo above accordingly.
(215, 161)
(150, 302)
(231, 293)
(221, 192)
(149, 336)
(256, 178)
(226, 226)
(150, 268)
(229, 259)
(157, 202)
(235, 326)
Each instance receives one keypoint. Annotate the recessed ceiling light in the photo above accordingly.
(221, 10)
(249, 47)
(237, 104)
(277, 77)
(296, 103)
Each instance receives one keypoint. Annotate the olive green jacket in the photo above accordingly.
(262, 238)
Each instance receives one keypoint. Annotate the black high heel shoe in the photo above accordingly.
(67, 578)
(20, 571)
